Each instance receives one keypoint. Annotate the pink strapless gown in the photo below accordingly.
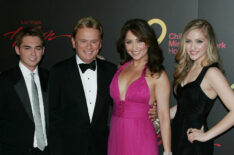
(131, 130)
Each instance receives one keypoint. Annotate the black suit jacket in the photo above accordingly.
(16, 118)
(71, 132)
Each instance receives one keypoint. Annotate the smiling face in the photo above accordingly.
(136, 48)
(196, 45)
(87, 43)
(30, 51)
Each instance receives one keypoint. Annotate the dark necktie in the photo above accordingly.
(91, 66)
(37, 115)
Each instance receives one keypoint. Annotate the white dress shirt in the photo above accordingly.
(27, 77)
(89, 81)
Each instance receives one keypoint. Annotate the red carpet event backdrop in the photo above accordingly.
(167, 17)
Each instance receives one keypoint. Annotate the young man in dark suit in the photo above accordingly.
(79, 95)
(23, 106)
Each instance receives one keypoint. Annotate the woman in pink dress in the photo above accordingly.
(138, 83)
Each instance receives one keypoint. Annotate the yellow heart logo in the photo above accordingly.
(163, 27)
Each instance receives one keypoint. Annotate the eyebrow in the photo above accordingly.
(31, 46)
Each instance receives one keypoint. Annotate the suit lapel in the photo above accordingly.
(21, 90)
(43, 82)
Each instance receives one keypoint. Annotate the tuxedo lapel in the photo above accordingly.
(21, 90)
(101, 86)
(78, 89)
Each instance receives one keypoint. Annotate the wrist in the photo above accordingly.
(206, 137)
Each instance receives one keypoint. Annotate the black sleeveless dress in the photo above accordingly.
(193, 108)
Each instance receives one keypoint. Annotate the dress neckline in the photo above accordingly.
(194, 81)
(117, 78)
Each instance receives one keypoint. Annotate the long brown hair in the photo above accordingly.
(141, 29)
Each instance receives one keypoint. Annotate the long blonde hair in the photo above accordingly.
(184, 63)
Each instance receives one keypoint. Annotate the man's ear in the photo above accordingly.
(73, 42)
(43, 51)
(100, 45)
(17, 50)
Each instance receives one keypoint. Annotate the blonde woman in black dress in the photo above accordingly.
(198, 81)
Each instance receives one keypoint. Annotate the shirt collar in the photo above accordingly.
(25, 71)
(79, 61)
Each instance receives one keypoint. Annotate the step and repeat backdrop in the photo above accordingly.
(167, 17)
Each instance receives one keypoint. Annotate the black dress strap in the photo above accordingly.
(203, 72)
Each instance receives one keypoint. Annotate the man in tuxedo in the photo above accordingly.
(23, 106)
(79, 95)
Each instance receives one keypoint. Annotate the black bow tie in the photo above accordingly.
(84, 66)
